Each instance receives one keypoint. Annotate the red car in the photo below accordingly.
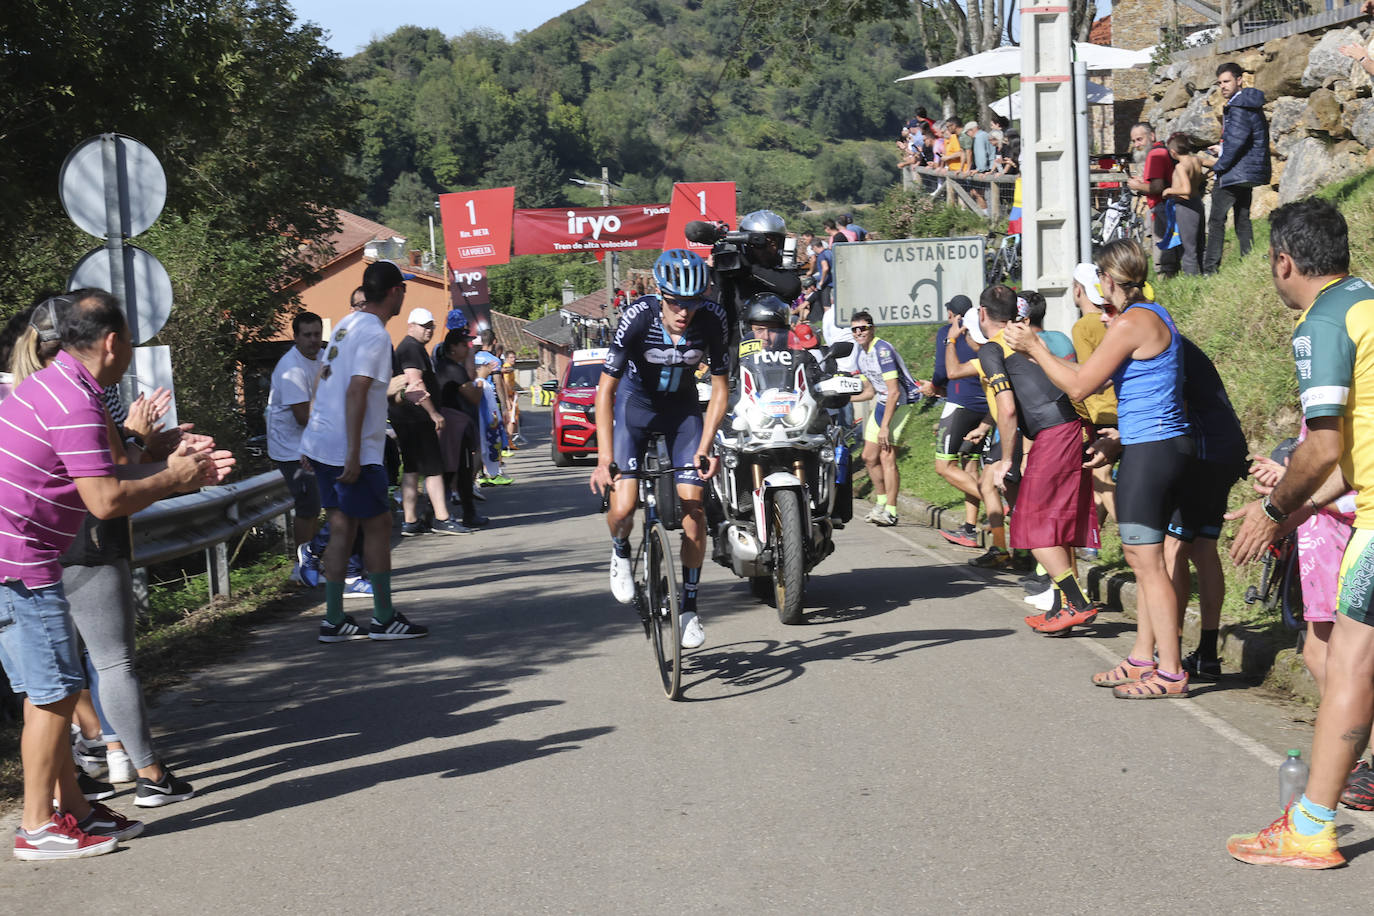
(574, 420)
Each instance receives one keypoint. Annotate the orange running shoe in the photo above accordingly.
(1070, 616)
(1152, 686)
(1280, 844)
(1125, 673)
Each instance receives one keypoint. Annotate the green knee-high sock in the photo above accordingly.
(382, 611)
(333, 603)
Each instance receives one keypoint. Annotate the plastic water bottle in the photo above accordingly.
(1292, 779)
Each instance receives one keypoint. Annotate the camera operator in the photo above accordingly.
(746, 263)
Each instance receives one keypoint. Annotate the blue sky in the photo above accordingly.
(353, 23)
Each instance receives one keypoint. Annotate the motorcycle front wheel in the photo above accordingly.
(789, 560)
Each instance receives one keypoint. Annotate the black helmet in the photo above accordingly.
(767, 310)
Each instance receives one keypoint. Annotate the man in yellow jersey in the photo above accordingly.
(1333, 350)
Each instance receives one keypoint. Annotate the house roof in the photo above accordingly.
(354, 233)
(551, 330)
(1101, 32)
(592, 305)
(510, 333)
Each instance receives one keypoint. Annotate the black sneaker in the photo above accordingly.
(104, 822)
(413, 529)
(149, 794)
(449, 526)
(347, 629)
(995, 558)
(1035, 585)
(399, 628)
(1023, 561)
(1200, 668)
(93, 788)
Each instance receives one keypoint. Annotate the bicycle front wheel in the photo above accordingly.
(664, 607)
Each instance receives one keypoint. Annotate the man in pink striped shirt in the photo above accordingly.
(55, 465)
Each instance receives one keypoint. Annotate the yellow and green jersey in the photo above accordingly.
(1333, 349)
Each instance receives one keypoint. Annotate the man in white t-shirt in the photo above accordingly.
(344, 442)
(288, 411)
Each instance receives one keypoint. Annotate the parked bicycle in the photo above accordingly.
(1002, 262)
(1119, 219)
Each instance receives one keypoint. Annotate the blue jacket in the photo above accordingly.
(1244, 160)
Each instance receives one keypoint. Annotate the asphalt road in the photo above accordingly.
(912, 749)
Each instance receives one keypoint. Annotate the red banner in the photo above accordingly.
(713, 201)
(477, 227)
(574, 229)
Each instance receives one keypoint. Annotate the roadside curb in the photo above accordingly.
(1255, 654)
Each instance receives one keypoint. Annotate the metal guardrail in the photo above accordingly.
(207, 520)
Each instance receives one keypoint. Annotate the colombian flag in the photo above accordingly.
(1014, 218)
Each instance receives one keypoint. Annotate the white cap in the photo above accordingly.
(420, 316)
(1085, 275)
(971, 324)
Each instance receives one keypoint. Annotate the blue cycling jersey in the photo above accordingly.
(656, 369)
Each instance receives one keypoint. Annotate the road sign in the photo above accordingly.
(147, 288)
(477, 227)
(713, 201)
(906, 281)
(140, 184)
(152, 369)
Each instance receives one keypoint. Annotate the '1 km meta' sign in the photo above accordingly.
(713, 201)
(477, 226)
(907, 281)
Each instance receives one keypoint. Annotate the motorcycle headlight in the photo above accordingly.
(799, 415)
(759, 419)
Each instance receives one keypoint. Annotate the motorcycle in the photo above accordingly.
(784, 486)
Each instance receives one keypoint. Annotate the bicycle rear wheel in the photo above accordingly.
(661, 596)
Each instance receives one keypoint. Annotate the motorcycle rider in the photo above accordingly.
(656, 349)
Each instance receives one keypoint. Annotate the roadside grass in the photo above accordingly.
(183, 632)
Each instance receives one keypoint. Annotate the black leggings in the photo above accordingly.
(1148, 484)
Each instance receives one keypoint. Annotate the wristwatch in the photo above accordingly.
(1275, 516)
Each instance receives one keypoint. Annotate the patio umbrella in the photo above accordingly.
(1010, 106)
(1006, 61)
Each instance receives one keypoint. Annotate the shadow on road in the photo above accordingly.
(749, 667)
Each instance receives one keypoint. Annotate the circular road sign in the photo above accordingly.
(149, 301)
(142, 185)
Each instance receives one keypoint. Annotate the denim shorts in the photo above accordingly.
(365, 497)
(39, 647)
(303, 486)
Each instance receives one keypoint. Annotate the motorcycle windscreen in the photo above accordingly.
(770, 377)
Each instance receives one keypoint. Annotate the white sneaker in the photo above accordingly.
(121, 767)
(876, 513)
(622, 579)
(1043, 601)
(693, 634)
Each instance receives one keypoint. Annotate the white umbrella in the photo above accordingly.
(1006, 61)
(1010, 106)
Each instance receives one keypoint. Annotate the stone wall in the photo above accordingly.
(1138, 24)
(1321, 114)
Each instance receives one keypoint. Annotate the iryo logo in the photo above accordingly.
(472, 276)
(578, 225)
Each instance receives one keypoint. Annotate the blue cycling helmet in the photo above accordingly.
(680, 272)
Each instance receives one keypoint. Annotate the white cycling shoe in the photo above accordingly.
(1042, 601)
(693, 634)
(622, 579)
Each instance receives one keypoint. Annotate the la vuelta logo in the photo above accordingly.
(578, 225)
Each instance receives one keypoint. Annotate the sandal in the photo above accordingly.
(1128, 672)
(1152, 686)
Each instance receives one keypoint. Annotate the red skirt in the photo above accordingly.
(1054, 503)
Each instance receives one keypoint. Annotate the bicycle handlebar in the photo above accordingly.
(700, 466)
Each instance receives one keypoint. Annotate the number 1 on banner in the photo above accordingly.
(697, 200)
(473, 239)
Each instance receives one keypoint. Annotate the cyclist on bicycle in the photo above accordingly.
(657, 347)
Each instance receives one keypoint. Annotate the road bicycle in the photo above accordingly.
(1002, 261)
(1119, 219)
(656, 589)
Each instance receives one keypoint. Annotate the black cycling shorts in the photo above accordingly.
(956, 423)
(1202, 502)
(681, 426)
(1149, 486)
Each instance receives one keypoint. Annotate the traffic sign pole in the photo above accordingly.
(114, 246)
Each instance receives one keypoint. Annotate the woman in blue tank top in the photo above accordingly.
(1142, 355)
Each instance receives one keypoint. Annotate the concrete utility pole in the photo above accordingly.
(1053, 185)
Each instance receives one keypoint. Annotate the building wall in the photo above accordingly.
(329, 297)
(1138, 24)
